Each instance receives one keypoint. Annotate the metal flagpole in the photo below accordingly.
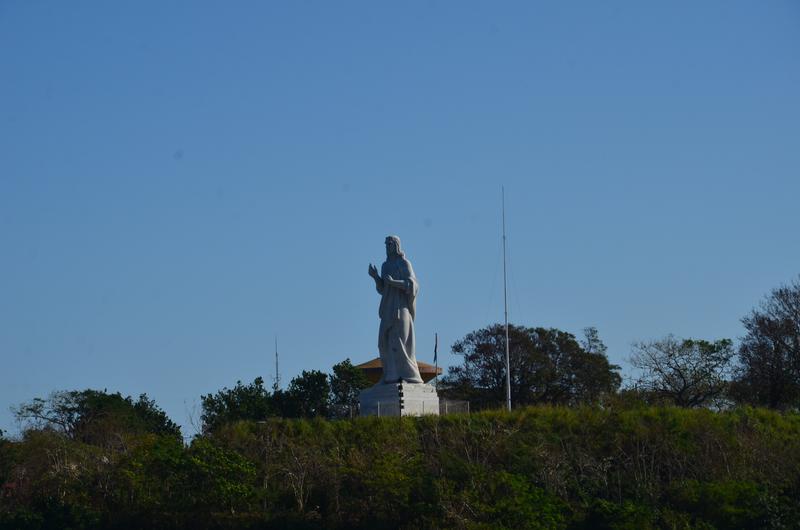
(276, 385)
(436, 361)
(505, 304)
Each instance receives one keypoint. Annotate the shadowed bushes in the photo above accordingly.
(538, 467)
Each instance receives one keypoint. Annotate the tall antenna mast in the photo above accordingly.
(436, 361)
(276, 385)
(505, 304)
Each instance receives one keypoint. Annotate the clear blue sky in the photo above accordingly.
(182, 181)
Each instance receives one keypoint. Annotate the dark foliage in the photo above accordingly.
(686, 373)
(346, 383)
(309, 395)
(547, 366)
(538, 467)
(96, 417)
(769, 354)
(242, 402)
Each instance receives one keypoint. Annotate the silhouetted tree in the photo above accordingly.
(242, 402)
(547, 366)
(687, 373)
(347, 381)
(769, 355)
(94, 416)
(310, 394)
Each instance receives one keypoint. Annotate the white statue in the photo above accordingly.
(398, 288)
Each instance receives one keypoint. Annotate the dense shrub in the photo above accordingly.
(539, 467)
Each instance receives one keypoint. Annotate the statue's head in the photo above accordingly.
(393, 246)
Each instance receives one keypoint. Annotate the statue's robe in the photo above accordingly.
(397, 312)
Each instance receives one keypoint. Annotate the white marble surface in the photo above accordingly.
(398, 288)
(399, 399)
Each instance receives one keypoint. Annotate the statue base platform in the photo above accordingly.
(399, 399)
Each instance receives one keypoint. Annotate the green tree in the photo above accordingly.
(242, 402)
(687, 373)
(309, 394)
(769, 354)
(95, 417)
(346, 382)
(547, 366)
(154, 477)
(595, 377)
(221, 478)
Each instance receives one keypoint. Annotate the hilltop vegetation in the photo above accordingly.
(538, 467)
(681, 447)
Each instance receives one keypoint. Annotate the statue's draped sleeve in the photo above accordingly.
(406, 297)
(412, 287)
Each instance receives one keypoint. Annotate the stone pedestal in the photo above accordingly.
(399, 399)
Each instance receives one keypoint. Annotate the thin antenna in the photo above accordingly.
(436, 361)
(505, 304)
(276, 385)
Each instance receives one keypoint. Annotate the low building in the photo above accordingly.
(374, 370)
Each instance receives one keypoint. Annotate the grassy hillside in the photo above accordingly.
(540, 467)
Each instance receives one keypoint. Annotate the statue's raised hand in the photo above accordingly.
(373, 271)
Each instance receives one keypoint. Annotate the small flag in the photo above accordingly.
(435, 348)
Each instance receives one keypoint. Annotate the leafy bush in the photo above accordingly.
(538, 467)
